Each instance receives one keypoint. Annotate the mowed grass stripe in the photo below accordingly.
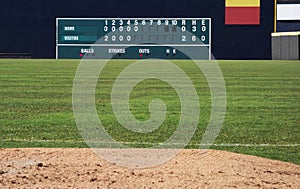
(263, 105)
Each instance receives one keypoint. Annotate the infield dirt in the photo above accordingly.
(82, 168)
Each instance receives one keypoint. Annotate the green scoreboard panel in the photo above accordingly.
(133, 38)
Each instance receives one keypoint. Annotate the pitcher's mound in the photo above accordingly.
(82, 168)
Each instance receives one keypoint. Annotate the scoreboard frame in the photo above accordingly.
(209, 45)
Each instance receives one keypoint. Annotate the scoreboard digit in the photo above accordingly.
(132, 38)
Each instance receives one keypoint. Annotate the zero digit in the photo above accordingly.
(136, 28)
(105, 28)
(203, 38)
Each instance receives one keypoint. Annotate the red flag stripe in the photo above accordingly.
(242, 15)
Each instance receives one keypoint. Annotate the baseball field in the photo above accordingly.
(262, 110)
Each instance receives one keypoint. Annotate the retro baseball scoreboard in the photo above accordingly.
(132, 38)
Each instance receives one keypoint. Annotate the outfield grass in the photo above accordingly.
(262, 118)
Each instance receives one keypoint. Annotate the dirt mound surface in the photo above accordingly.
(82, 168)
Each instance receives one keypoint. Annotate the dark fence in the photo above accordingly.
(28, 26)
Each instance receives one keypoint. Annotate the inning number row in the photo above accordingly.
(133, 25)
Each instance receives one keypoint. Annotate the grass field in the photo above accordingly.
(262, 118)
